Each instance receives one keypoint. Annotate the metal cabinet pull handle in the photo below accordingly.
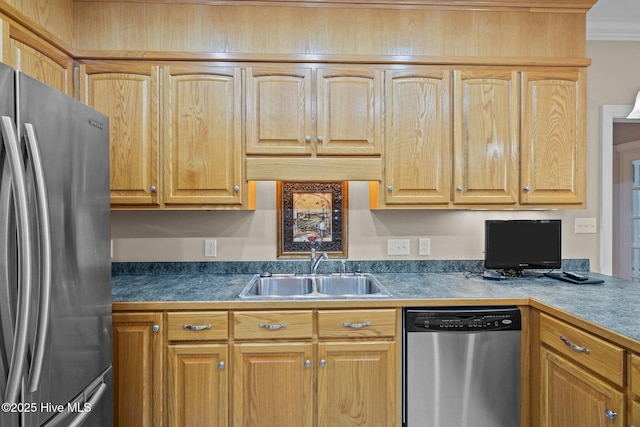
(155, 328)
(527, 188)
(153, 188)
(323, 363)
(197, 327)
(356, 325)
(459, 188)
(272, 327)
(572, 346)
(320, 138)
(390, 188)
(610, 414)
(307, 363)
(220, 365)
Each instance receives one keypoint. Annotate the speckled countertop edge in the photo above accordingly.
(614, 305)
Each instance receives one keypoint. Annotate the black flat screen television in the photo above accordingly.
(522, 244)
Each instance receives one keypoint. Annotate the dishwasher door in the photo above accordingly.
(462, 367)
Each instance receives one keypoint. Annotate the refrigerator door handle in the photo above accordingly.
(42, 331)
(20, 343)
(81, 405)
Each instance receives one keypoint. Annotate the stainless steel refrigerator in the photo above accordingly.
(55, 271)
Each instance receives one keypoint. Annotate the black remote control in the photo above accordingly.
(574, 276)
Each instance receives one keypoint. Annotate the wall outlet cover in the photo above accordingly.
(210, 249)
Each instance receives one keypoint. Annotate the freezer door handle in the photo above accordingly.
(82, 407)
(44, 231)
(19, 350)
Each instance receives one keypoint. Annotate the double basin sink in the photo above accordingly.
(314, 286)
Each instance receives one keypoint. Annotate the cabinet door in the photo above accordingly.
(486, 137)
(278, 113)
(356, 384)
(572, 397)
(38, 59)
(348, 112)
(202, 135)
(553, 150)
(137, 370)
(128, 94)
(418, 137)
(197, 385)
(273, 385)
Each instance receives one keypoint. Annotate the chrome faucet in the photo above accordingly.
(316, 260)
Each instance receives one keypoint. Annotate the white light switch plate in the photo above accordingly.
(398, 247)
(585, 226)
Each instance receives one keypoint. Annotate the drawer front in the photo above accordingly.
(272, 324)
(594, 353)
(635, 374)
(356, 323)
(198, 326)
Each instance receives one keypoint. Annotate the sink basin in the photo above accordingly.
(314, 286)
(349, 285)
(284, 285)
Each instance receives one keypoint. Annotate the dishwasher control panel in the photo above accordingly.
(462, 320)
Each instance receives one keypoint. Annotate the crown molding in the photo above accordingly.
(613, 29)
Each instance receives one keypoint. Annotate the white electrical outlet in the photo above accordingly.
(585, 226)
(424, 246)
(209, 247)
(398, 247)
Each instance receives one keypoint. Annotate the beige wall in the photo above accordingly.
(613, 78)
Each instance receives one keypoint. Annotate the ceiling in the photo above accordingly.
(614, 20)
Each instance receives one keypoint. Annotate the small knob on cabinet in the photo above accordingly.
(320, 138)
(307, 138)
(610, 414)
(236, 188)
(153, 188)
(459, 188)
(155, 328)
(220, 365)
(390, 188)
(527, 188)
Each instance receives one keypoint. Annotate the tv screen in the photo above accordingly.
(522, 244)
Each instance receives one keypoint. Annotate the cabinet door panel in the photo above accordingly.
(418, 132)
(356, 385)
(272, 385)
(197, 385)
(128, 94)
(278, 111)
(553, 158)
(486, 135)
(49, 67)
(202, 143)
(572, 397)
(349, 121)
(137, 370)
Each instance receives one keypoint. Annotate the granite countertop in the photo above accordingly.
(614, 305)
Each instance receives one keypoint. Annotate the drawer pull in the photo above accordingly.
(610, 414)
(572, 346)
(273, 327)
(197, 327)
(356, 325)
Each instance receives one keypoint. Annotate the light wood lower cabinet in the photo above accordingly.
(198, 371)
(347, 377)
(138, 369)
(573, 397)
(581, 378)
(197, 385)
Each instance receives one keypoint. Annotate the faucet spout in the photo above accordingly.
(315, 261)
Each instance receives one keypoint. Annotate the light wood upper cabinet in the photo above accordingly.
(282, 102)
(418, 133)
(128, 92)
(138, 348)
(36, 57)
(278, 110)
(486, 136)
(418, 137)
(202, 135)
(348, 110)
(553, 148)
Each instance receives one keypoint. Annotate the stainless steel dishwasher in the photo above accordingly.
(461, 367)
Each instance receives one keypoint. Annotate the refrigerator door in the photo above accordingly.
(8, 249)
(73, 142)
